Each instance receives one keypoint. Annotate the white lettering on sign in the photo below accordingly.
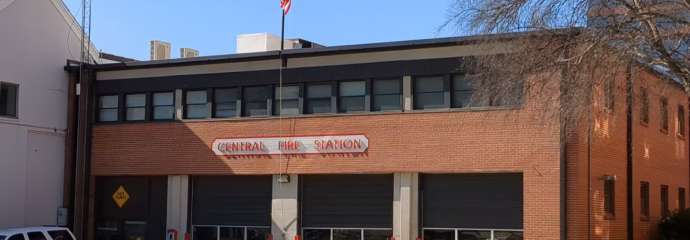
(291, 145)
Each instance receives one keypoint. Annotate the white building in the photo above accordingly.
(37, 37)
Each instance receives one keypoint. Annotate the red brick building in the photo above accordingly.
(380, 141)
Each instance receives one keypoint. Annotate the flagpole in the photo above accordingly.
(280, 85)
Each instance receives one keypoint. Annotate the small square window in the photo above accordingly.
(290, 104)
(256, 100)
(163, 105)
(225, 102)
(8, 99)
(429, 92)
(196, 106)
(318, 98)
(108, 107)
(387, 95)
(352, 96)
(136, 107)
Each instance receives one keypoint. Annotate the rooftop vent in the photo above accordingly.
(263, 42)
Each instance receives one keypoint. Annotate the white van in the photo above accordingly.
(36, 233)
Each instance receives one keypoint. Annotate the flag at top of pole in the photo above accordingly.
(285, 5)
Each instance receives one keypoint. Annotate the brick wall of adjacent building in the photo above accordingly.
(489, 141)
(658, 157)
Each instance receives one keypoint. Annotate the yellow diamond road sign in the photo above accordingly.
(120, 196)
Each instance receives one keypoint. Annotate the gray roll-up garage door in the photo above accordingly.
(482, 201)
(347, 201)
(232, 200)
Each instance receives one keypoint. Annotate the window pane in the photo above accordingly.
(228, 95)
(474, 235)
(347, 234)
(317, 234)
(462, 98)
(387, 102)
(358, 88)
(107, 115)
(290, 107)
(351, 104)
(17, 237)
(108, 102)
(197, 111)
(289, 92)
(256, 109)
(59, 235)
(136, 114)
(429, 100)
(136, 100)
(252, 94)
(228, 233)
(8, 100)
(428, 84)
(319, 91)
(377, 234)
(36, 236)
(461, 83)
(258, 233)
(391, 86)
(196, 97)
(318, 106)
(505, 235)
(439, 234)
(163, 112)
(205, 233)
(225, 110)
(161, 99)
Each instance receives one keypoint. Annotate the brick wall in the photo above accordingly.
(429, 142)
(658, 157)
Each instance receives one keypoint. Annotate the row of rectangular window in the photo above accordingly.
(313, 98)
(663, 113)
(664, 199)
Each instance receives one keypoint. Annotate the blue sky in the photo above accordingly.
(124, 27)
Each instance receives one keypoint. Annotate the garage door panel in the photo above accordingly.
(487, 201)
(232, 200)
(352, 201)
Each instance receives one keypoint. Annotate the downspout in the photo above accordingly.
(564, 171)
(629, 150)
(589, 173)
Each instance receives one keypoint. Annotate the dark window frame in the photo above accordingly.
(16, 100)
(339, 97)
(454, 90)
(268, 101)
(446, 91)
(609, 94)
(332, 97)
(43, 235)
(644, 200)
(681, 121)
(153, 106)
(117, 108)
(610, 197)
(215, 104)
(373, 95)
(663, 115)
(681, 199)
(665, 208)
(644, 106)
(185, 105)
(145, 107)
(300, 97)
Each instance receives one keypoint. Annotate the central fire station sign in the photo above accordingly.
(120, 197)
(291, 145)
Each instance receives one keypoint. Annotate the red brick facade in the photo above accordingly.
(486, 141)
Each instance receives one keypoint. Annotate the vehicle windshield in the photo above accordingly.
(2, 237)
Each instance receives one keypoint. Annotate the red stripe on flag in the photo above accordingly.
(285, 5)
